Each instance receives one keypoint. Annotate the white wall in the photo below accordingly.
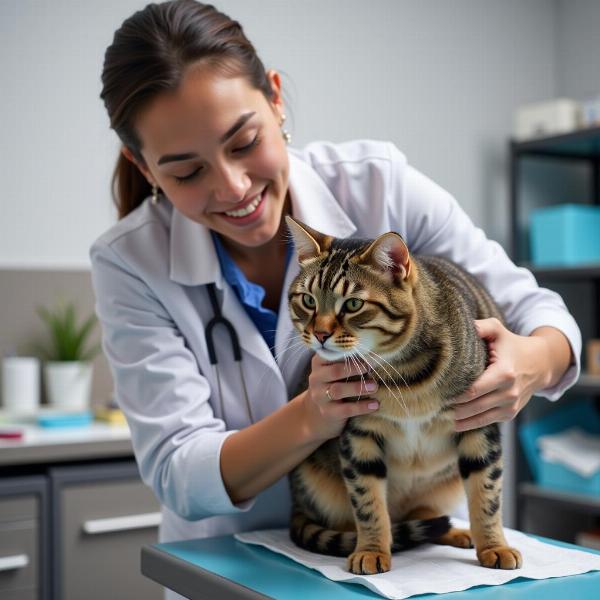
(439, 78)
(578, 48)
(56, 152)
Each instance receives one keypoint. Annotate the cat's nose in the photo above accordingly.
(322, 336)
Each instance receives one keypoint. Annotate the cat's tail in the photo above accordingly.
(407, 534)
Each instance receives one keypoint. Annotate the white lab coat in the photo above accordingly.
(149, 273)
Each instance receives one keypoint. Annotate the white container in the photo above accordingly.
(68, 385)
(552, 117)
(591, 112)
(21, 384)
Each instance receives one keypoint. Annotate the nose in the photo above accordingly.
(231, 184)
(322, 336)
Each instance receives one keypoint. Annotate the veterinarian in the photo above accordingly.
(202, 184)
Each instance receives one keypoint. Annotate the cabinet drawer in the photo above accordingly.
(19, 560)
(18, 508)
(24, 551)
(104, 524)
(20, 595)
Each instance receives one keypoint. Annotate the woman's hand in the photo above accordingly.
(519, 366)
(328, 385)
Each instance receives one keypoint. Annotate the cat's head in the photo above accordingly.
(352, 296)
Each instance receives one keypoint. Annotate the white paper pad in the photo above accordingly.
(436, 569)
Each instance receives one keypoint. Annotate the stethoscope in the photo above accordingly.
(219, 319)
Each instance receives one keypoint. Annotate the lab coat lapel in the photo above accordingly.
(314, 205)
(194, 259)
(194, 262)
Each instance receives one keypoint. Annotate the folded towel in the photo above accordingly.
(573, 448)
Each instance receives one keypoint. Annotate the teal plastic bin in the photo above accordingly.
(565, 235)
(577, 413)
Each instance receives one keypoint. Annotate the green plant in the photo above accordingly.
(67, 339)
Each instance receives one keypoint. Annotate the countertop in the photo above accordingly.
(42, 445)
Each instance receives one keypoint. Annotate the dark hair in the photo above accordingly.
(149, 55)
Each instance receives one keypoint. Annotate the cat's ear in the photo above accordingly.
(309, 243)
(389, 254)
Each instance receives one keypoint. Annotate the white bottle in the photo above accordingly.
(21, 384)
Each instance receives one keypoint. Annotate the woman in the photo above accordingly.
(203, 183)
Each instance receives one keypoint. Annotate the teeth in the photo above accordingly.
(246, 210)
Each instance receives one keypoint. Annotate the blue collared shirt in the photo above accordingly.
(251, 294)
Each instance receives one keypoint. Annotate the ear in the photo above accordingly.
(389, 254)
(275, 82)
(309, 243)
(126, 152)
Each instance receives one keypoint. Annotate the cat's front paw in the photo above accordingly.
(500, 557)
(369, 563)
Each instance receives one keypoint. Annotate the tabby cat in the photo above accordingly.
(390, 478)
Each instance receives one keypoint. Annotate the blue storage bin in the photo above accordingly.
(565, 235)
(551, 475)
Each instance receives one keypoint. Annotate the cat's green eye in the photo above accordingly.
(308, 301)
(353, 304)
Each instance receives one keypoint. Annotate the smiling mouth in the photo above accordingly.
(248, 209)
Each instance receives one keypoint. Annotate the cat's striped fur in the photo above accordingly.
(390, 478)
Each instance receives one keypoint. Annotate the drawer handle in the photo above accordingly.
(10, 563)
(122, 523)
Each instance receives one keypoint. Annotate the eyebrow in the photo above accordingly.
(229, 133)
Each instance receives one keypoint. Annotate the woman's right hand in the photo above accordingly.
(323, 400)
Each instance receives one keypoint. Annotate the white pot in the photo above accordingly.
(68, 385)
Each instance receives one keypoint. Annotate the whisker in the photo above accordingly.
(294, 345)
(377, 374)
(347, 365)
(384, 361)
(382, 366)
(357, 364)
(381, 360)
(294, 351)
(391, 367)
(374, 355)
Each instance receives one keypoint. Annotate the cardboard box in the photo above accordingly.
(552, 117)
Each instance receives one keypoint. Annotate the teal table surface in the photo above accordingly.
(225, 568)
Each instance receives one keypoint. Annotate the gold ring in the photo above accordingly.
(328, 395)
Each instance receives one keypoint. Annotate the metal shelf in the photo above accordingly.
(587, 384)
(589, 271)
(590, 504)
(581, 146)
(583, 143)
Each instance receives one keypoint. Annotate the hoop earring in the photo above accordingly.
(154, 199)
(287, 136)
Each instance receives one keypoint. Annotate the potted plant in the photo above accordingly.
(68, 367)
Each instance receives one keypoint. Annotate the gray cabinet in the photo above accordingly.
(102, 515)
(73, 532)
(24, 570)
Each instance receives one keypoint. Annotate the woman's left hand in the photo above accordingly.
(518, 367)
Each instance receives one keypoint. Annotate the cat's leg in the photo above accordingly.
(480, 466)
(365, 472)
(459, 538)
